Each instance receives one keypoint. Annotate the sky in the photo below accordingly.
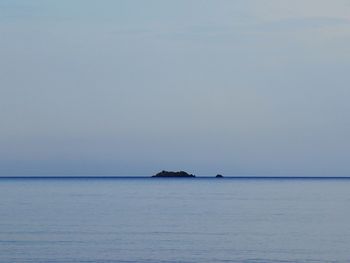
(127, 87)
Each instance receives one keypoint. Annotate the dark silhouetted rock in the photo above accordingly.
(219, 176)
(180, 174)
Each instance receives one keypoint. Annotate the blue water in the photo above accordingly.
(174, 220)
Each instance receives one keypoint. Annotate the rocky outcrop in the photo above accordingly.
(180, 174)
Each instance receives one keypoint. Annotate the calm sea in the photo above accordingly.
(174, 220)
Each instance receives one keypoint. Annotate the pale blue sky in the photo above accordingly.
(131, 87)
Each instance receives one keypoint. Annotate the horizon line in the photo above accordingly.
(197, 177)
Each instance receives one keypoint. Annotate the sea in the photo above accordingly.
(170, 220)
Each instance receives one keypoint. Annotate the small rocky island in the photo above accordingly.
(219, 176)
(180, 174)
